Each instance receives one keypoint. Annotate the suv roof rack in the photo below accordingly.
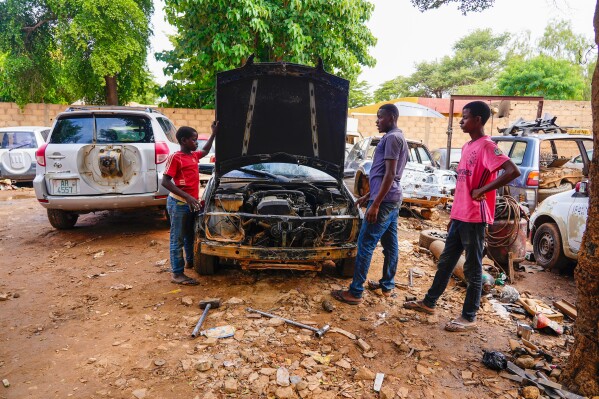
(110, 107)
(520, 127)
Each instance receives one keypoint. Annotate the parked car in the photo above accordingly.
(99, 158)
(557, 226)
(540, 149)
(440, 157)
(17, 151)
(277, 198)
(422, 183)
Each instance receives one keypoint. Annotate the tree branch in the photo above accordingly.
(31, 29)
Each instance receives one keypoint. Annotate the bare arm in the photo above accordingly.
(511, 172)
(193, 203)
(206, 149)
(388, 178)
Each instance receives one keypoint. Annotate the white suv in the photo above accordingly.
(99, 158)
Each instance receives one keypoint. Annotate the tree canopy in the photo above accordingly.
(216, 35)
(61, 51)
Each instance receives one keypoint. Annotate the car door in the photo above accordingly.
(577, 219)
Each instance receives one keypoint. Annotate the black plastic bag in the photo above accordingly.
(495, 360)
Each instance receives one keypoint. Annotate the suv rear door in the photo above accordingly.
(96, 153)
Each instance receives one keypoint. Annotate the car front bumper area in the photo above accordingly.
(277, 258)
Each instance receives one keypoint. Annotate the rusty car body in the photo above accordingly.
(277, 198)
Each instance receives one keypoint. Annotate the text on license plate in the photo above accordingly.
(65, 186)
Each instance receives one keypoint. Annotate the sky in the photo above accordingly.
(406, 36)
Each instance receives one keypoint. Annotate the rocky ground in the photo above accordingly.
(91, 313)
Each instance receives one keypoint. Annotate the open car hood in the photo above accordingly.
(280, 112)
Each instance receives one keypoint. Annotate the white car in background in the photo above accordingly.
(100, 158)
(557, 226)
(17, 151)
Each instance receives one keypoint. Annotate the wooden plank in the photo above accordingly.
(567, 308)
(534, 306)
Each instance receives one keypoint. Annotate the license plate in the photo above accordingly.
(65, 186)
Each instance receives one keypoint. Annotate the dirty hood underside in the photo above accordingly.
(278, 112)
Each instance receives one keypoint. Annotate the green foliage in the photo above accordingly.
(477, 58)
(61, 50)
(359, 94)
(559, 41)
(216, 35)
(464, 6)
(542, 76)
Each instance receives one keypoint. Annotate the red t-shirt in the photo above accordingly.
(183, 168)
(478, 166)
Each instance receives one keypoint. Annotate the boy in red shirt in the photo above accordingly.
(182, 179)
(473, 209)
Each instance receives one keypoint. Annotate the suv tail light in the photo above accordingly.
(162, 152)
(212, 159)
(533, 178)
(40, 155)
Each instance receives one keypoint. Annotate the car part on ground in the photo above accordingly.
(427, 237)
(100, 158)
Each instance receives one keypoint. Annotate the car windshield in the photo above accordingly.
(12, 140)
(284, 170)
(109, 129)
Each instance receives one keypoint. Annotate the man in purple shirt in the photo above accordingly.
(383, 202)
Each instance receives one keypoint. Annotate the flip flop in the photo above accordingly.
(339, 295)
(418, 306)
(184, 281)
(456, 326)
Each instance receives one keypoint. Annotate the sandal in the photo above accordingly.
(456, 326)
(346, 297)
(182, 279)
(418, 306)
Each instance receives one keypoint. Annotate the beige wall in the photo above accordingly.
(432, 131)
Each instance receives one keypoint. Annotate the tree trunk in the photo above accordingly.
(111, 93)
(582, 371)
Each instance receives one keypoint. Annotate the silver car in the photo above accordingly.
(100, 158)
(17, 151)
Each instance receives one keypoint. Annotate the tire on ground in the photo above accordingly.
(204, 265)
(345, 267)
(428, 236)
(62, 220)
(547, 247)
(543, 193)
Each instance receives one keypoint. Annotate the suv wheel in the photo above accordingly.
(204, 264)
(62, 220)
(345, 267)
(547, 247)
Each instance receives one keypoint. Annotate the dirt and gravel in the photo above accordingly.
(91, 313)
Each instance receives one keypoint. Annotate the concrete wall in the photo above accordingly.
(432, 131)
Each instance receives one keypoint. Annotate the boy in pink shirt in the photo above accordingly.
(473, 209)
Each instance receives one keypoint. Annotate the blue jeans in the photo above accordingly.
(182, 234)
(471, 238)
(385, 230)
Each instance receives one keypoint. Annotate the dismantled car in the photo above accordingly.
(543, 152)
(277, 198)
(422, 183)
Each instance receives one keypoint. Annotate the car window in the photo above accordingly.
(353, 153)
(18, 140)
(518, 152)
(588, 146)
(168, 128)
(413, 155)
(123, 129)
(504, 146)
(425, 158)
(45, 133)
(566, 149)
(437, 156)
(73, 130)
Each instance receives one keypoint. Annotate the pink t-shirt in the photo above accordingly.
(480, 161)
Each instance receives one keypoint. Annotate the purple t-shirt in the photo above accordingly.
(393, 145)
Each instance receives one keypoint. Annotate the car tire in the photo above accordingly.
(62, 220)
(428, 236)
(362, 185)
(543, 193)
(547, 247)
(204, 265)
(345, 267)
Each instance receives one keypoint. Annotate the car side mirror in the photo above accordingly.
(582, 187)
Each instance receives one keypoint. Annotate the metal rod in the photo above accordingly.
(196, 330)
(411, 275)
(295, 323)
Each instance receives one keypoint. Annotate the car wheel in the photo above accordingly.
(204, 264)
(428, 236)
(345, 267)
(543, 193)
(363, 185)
(62, 220)
(547, 247)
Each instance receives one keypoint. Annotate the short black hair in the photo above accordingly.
(185, 132)
(479, 108)
(391, 108)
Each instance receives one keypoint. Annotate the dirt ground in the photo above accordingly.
(91, 313)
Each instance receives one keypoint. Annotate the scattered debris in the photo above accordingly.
(378, 381)
(98, 254)
(6, 383)
(121, 287)
(219, 332)
(343, 332)
(534, 306)
(567, 308)
(542, 322)
(161, 262)
(495, 360)
(187, 301)
(328, 306)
